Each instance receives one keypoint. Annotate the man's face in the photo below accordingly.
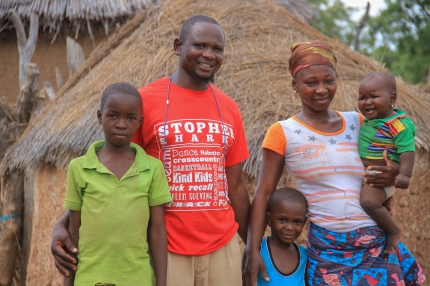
(202, 51)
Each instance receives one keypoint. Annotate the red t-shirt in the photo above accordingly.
(199, 220)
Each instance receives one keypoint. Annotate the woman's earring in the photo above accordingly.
(295, 91)
(392, 105)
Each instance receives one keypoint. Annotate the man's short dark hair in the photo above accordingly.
(188, 25)
(287, 194)
(122, 88)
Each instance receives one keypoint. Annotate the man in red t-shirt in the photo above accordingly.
(197, 132)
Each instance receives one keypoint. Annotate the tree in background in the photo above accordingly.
(399, 37)
(334, 19)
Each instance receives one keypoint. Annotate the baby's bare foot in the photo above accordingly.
(393, 239)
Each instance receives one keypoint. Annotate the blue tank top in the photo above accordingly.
(296, 278)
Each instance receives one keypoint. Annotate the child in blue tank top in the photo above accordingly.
(285, 261)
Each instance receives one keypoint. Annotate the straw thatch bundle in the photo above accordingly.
(300, 8)
(55, 14)
(10, 129)
(259, 34)
(254, 73)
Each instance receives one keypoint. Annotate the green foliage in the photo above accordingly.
(403, 29)
(334, 20)
(399, 37)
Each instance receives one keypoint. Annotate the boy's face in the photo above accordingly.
(287, 220)
(120, 117)
(375, 98)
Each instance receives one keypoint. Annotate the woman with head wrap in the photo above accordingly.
(318, 147)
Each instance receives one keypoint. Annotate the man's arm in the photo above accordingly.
(61, 240)
(157, 239)
(239, 198)
(270, 173)
(74, 224)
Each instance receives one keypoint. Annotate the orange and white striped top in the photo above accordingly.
(326, 168)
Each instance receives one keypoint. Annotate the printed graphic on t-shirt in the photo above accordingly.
(194, 162)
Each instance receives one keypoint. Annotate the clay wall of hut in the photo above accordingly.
(47, 56)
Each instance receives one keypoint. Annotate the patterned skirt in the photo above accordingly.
(357, 258)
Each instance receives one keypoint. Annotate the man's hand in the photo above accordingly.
(60, 243)
(385, 177)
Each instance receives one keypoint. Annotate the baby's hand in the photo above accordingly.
(402, 181)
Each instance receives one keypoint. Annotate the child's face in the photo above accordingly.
(287, 220)
(120, 118)
(375, 98)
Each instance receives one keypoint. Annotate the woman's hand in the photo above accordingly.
(61, 242)
(253, 265)
(386, 175)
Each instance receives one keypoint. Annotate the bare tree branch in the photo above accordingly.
(360, 27)
(19, 27)
(32, 35)
(25, 47)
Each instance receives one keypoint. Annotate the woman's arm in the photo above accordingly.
(157, 239)
(270, 173)
(387, 175)
(74, 224)
(60, 242)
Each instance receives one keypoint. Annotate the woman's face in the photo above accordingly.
(316, 86)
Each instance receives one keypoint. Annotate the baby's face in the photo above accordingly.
(375, 98)
(287, 220)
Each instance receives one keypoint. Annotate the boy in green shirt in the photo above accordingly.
(116, 195)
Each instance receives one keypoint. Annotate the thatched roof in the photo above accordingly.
(259, 34)
(75, 14)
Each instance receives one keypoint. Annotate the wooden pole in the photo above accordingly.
(12, 187)
(75, 56)
(59, 78)
(28, 93)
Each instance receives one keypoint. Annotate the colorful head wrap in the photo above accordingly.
(305, 54)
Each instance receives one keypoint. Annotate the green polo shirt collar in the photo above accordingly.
(91, 160)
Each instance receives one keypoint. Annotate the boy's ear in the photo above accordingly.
(177, 46)
(268, 219)
(99, 116)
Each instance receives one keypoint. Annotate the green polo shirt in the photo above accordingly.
(113, 244)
